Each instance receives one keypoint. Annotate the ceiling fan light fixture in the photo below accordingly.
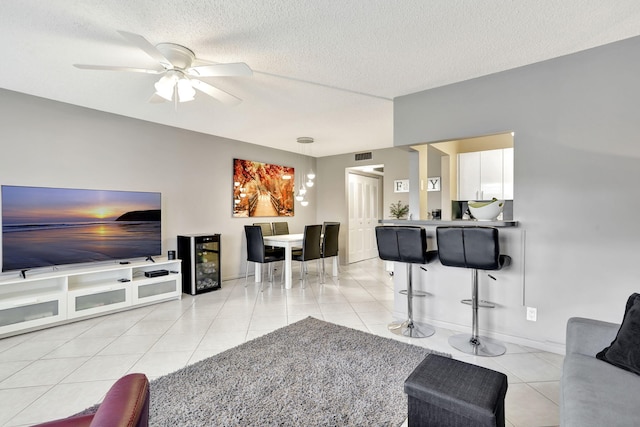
(176, 61)
(186, 92)
(164, 87)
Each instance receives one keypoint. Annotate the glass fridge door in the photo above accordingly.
(207, 264)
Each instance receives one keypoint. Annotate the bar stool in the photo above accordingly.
(407, 245)
(476, 248)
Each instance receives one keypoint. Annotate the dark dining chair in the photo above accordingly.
(280, 228)
(329, 247)
(266, 228)
(257, 253)
(310, 248)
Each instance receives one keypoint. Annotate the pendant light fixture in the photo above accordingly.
(304, 142)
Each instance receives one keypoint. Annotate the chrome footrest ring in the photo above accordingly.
(481, 303)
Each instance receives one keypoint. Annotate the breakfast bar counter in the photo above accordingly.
(450, 223)
(445, 286)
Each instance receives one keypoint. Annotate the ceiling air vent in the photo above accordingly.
(364, 156)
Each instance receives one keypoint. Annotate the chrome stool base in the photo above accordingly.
(478, 346)
(411, 329)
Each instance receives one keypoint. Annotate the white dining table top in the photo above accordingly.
(284, 238)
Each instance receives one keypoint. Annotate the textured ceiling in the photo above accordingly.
(327, 69)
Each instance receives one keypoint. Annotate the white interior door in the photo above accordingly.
(364, 208)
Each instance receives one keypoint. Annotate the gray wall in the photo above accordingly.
(51, 144)
(577, 169)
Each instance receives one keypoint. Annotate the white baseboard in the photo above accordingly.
(551, 347)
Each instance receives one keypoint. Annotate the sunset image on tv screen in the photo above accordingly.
(54, 226)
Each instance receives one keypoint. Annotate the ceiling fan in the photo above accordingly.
(179, 82)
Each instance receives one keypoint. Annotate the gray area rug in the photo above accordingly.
(310, 373)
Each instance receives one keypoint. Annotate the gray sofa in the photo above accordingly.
(593, 392)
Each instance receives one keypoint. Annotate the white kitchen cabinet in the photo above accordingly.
(507, 178)
(469, 176)
(483, 175)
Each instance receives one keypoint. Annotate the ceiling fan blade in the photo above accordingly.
(214, 92)
(221, 70)
(142, 43)
(116, 68)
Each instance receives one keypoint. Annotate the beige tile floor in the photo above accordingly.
(59, 371)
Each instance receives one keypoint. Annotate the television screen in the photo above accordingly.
(55, 226)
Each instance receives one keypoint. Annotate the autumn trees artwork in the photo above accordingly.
(262, 189)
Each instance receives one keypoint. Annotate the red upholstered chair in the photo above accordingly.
(125, 405)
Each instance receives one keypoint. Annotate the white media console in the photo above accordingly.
(44, 299)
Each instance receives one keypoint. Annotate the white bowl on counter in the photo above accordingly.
(486, 211)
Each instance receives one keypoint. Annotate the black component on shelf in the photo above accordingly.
(200, 255)
(156, 273)
(124, 280)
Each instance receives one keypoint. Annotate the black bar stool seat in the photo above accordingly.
(475, 248)
(407, 245)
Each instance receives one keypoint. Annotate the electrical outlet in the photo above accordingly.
(532, 314)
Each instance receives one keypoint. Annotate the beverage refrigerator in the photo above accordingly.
(200, 255)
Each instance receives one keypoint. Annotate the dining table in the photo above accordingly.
(288, 241)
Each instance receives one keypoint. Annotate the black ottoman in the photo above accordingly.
(444, 392)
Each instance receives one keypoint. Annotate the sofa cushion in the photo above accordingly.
(595, 393)
(624, 351)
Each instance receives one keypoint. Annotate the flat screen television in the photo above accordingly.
(44, 227)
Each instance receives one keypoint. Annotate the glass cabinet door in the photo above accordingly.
(207, 264)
